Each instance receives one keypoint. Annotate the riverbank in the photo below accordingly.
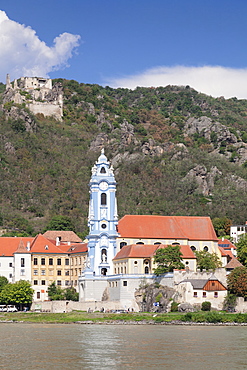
(195, 318)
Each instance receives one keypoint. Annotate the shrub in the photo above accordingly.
(206, 306)
(174, 307)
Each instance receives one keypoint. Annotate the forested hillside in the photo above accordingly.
(175, 152)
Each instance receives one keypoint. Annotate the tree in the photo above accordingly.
(19, 293)
(70, 294)
(237, 281)
(168, 259)
(55, 293)
(60, 223)
(242, 249)
(222, 226)
(207, 261)
(3, 281)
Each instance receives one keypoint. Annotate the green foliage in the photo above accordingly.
(3, 281)
(55, 293)
(222, 225)
(207, 261)
(168, 259)
(206, 306)
(229, 302)
(242, 249)
(237, 282)
(174, 306)
(19, 293)
(60, 223)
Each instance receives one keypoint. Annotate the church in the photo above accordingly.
(121, 253)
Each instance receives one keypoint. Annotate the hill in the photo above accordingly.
(175, 152)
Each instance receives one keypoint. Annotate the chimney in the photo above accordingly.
(58, 238)
(28, 246)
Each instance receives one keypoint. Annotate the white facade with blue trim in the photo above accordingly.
(102, 219)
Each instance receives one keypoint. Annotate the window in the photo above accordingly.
(10, 264)
(35, 282)
(103, 199)
(10, 276)
(42, 272)
(67, 273)
(43, 261)
(213, 283)
(42, 282)
(215, 294)
(22, 262)
(103, 226)
(176, 243)
(35, 261)
(204, 294)
(122, 244)
(59, 272)
(59, 261)
(50, 261)
(205, 249)
(121, 270)
(139, 243)
(22, 272)
(146, 270)
(67, 261)
(195, 294)
(59, 282)
(38, 295)
(125, 283)
(157, 243)
(193, 248)
(35, 272)
(135, 262)
(102, 170)
(67, 282)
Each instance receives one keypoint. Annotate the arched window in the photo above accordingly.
(157, 243)
(102, 170)
(146, 270)
(139, 243)
(103, 271)
(103, 199)
(193, 248)
(205, 249)
(176, 243)
(122, 244)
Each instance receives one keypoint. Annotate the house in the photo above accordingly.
(236, 231)
(197, 291)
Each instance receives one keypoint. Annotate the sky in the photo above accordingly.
(128, 43)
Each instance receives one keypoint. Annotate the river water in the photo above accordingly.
(74, 346)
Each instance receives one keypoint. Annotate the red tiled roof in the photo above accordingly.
(42, 245)
(233, 264)
(9, 245)
(225, 243)
(66, 236)
(226, 252)
(136, 251)
(148, 250)
(166, 227)
(78, 248)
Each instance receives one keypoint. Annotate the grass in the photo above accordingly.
(97, 317)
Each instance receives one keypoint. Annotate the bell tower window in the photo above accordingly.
(103, 199)
(102, 170)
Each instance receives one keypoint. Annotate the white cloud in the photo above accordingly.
(22, 53)
(211, 80)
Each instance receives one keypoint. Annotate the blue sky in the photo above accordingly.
(128, 43)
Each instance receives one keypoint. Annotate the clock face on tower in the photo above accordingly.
(103, 185)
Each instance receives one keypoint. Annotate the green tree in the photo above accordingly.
(19, 293)
(237, 281)
(207, 261)
(60, 223)
(55, 293)
(222, 225)
(168, 259)
(3, 281)
(70, 294)
(242, 249)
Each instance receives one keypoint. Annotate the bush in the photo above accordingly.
(174, 307)
(206, 306)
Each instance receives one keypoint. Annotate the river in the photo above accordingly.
(74, 346)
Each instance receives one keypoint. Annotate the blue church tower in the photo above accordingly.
(102, 219)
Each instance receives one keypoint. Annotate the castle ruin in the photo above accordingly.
(38, 95)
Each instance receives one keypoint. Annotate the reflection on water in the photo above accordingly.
(37, 346)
